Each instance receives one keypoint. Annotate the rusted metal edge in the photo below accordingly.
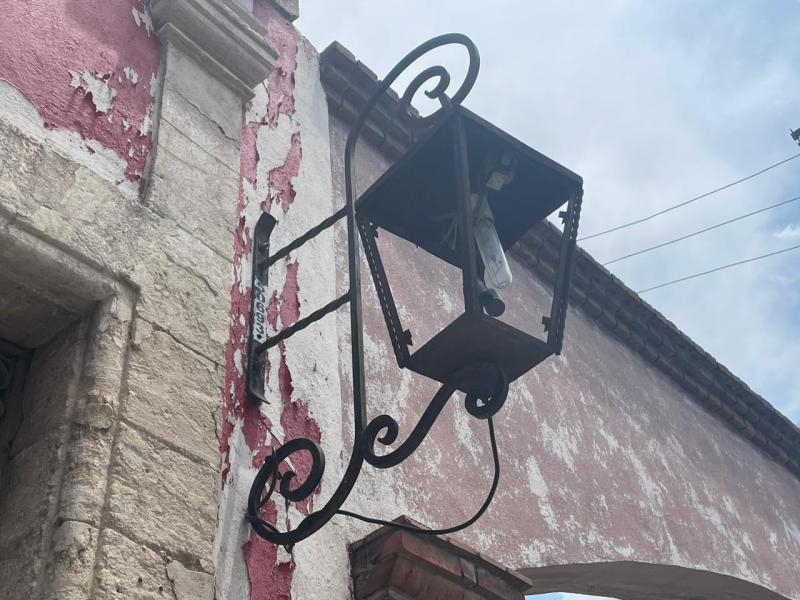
(595, 291)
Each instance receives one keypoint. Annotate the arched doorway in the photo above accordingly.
(628, 580)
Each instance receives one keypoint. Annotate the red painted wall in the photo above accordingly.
(270, 578)
(88, 66)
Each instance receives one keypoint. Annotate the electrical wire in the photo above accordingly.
(689, 201)
(455, 528)
(728, 266)
(699, 231)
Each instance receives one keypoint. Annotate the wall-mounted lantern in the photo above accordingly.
(465, 193)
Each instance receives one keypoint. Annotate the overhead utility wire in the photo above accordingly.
(734, 264)
(699, 231)
(689, 201)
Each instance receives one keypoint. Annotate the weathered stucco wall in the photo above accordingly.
(90, 70)
(285, 170)
(136, 512)
(604, 458)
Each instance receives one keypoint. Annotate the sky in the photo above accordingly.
(652, 103)
(562, 596)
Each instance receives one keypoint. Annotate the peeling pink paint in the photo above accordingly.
(82, 49)
(284, 38)
(280, 178)
(267, 584)
(268, 578)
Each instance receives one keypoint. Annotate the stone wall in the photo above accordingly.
(128, 276)
(143, 275)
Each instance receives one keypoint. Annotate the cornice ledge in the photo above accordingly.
(220, 35)
(348, 84)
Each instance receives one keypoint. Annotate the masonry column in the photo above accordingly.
(160, 510)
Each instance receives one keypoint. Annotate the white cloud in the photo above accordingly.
(652, 103)
(789, 232)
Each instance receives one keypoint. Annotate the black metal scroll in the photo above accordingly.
(481, 403)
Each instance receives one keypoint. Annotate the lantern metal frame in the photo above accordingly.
(485, 384)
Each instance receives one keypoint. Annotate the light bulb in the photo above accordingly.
(497, 274)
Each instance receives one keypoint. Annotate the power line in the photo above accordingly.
(741, 262)
(689, 201)
(705, 229)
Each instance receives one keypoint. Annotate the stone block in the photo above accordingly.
(70, 574)
(211, 97)
(20, 159)
(193, 188)
(174, 393)
(130, 571)
(189, 121)
(189, 584)
(85, 472)
(28, 490)
(162, 496)
(185, 290)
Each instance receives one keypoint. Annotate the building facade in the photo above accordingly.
(138, 148)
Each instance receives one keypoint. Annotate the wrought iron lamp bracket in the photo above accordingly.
(486, 385)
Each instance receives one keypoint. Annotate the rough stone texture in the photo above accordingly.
(17, 565)
(28, 488)
(204, 192)
(86, 471)
(74, 549)
(54, 369)
(90, 442)
(32, 479)
(130, 571)
(137, 435)
(188, 584)
(178, 491)
(174, 393)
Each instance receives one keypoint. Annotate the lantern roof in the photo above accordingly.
(416, 197)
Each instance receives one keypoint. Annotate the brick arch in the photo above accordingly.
(630, 580)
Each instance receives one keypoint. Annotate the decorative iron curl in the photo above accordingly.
(487, 386)
(269, 474)
(482, 402)
(386, 423)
